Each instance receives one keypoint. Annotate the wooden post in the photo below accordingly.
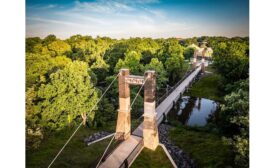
(123, 127)
(150, 127)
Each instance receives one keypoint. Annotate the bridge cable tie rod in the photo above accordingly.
(105, 151)
(81, 123)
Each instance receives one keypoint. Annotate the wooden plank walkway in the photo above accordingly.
(128, 148)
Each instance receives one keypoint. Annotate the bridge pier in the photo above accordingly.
(150, 125)
(123, 127)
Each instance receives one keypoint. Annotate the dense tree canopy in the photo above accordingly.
(231, 60)
(189, 53)
(64, 78)
(156, 65)
(39, 67)
(59, 47)
(68, 95)
(131, 61)
(235, 120)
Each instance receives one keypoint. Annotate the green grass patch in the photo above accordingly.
(76, 154)
(207, 87)
(207, 149)
(152, 159)
(210, 68)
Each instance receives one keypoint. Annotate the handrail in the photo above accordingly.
(165, 95)
(125, 162)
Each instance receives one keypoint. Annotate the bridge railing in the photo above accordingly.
(174, 87)
(130, 157)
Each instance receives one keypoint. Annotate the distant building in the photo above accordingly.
(202, 50)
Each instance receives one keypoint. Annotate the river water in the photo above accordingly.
(192, 111)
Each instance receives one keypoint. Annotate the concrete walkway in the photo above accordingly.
(130, 147)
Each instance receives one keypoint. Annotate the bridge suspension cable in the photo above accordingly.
(137, 96)
(82, 122)
(137, 93)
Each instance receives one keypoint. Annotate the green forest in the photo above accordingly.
(65, 79)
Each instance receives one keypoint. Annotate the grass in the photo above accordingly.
(207, 149)
(76, 154)
(152, 159)
(207, 87)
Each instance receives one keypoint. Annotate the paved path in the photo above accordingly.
(131, 146)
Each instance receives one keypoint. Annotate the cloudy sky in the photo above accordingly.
(137, 18)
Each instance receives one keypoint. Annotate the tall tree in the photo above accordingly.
(59, 48)
(132, 62)
(231, 60)
(39, 67)
(31, 42)
(157, 66)
(189, 52)
(234, 120)
(68, 95)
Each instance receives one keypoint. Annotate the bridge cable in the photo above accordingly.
(137, 93)
(105, 151)
(137, 96)
(81, 123)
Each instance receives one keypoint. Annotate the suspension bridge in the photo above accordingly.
(146, 134)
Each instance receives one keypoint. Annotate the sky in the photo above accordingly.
(137, 18)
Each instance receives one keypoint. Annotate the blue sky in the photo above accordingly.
(137, 18)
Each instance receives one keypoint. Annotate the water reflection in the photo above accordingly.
(192, 110)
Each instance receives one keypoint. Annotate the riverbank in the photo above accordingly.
(207, 86)
(200, 145)
(205, 148)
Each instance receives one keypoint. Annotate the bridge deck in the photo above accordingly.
(122, 152)
(126, 148)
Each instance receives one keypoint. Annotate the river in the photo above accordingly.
(192, 111)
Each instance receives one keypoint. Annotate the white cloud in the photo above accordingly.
(41, 7)
(117, 19)
(105, 6)
(53, 21)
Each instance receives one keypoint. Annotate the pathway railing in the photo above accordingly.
(174, 87)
